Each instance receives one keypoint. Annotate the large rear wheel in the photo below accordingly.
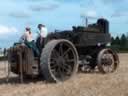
(59, 60)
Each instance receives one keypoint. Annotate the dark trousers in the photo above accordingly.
(40, 43)
(33, 46)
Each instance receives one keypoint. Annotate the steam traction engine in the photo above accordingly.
(66, 52)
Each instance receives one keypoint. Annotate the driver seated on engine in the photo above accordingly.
(27, 39)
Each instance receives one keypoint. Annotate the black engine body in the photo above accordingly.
(87, 40)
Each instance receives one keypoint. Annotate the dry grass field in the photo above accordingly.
(89, 84)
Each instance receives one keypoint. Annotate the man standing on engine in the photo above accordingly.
(42, 35)
(43, 30)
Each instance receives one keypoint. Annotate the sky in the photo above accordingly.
(15, 15)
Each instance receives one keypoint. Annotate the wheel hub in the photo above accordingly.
(60, 60)
(107, 59)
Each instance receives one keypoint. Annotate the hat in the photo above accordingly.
(40, 25)
(28, 28)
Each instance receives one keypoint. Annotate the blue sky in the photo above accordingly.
(57, 14)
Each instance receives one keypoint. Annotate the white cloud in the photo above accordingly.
(91, 13)
(44, 8)
(20, 14)
(120, 14)
(7, 29)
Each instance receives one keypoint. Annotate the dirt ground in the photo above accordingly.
(89, 84)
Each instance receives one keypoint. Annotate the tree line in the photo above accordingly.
(120, 43)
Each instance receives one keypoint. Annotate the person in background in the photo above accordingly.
(5, 52)
(43, 32)
(27, 39)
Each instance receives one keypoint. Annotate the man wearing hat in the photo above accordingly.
(43, 30)
(42, 35)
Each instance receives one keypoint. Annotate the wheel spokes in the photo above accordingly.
(107, 62)
(62, 61)
(55, 53)
(53, 66)
(66, 52)
(61, 49)
(68, 70)
(70, 61)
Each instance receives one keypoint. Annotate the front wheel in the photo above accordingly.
(107, 61)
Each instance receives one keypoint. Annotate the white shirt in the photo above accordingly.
(26, 36)
(44, 32)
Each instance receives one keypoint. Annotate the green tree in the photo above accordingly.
(117, 41)
(112, 41)
(127, 40)
(123, 41)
